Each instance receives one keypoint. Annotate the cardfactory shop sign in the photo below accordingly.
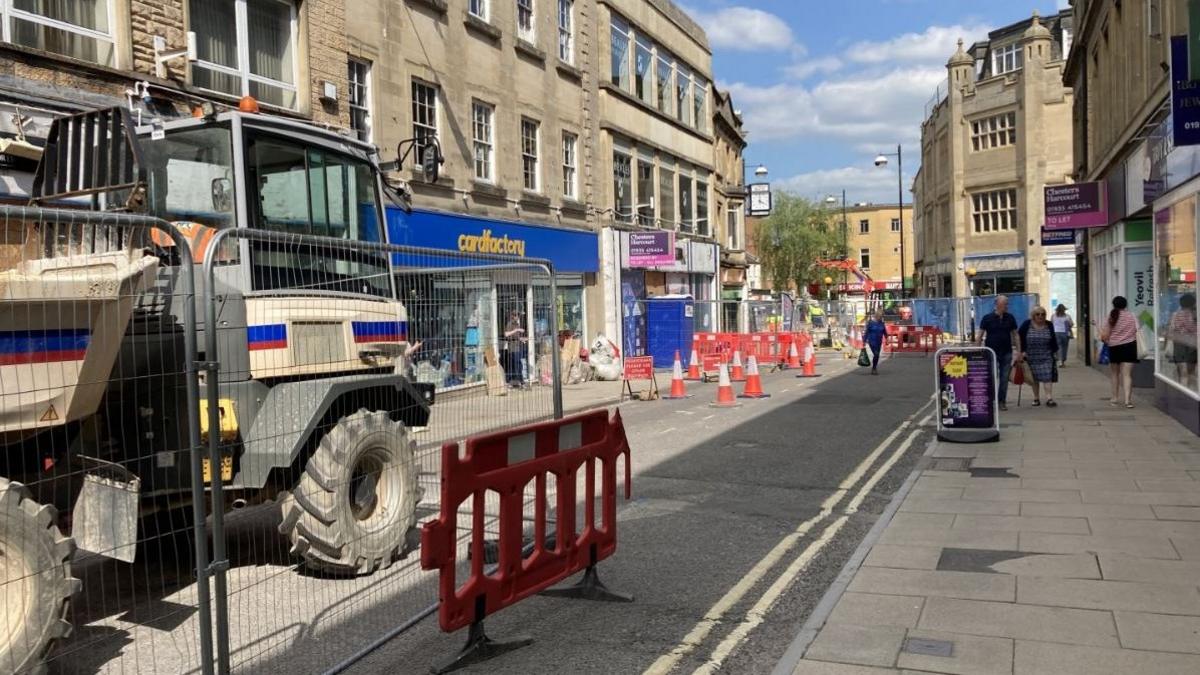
(486, 243)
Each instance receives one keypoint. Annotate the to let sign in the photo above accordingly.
(1076, 205)
(651, 249)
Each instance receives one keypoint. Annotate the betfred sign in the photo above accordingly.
(1076, 205)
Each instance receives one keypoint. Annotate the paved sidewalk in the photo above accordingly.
(1071, 546)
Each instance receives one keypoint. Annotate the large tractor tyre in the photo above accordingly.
(352, 508)
(35, 580)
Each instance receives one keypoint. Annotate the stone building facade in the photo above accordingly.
(997, 133)
(729, 208)
(68, 57)
(1127, 61)
(873, 241)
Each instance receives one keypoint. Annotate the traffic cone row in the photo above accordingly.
(677, 387)
(725, 397)
(693, 366)
(753, 388)
(793, 360)
(810, 361)
(737, 372)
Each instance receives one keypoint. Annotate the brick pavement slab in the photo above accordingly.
(873, 609)
(967, 585)
(1119, 567)
(807, 667)
(860, 645)
(1128, 511)
(904, 557)
(1159, 632)
(1112, 595)
(1030, 622)
(1051, 658)
(1021, 524)
(924, 536)
(929, 505)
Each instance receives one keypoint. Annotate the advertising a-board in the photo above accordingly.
(966, 382)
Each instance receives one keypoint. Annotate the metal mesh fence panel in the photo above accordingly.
(98, 428)
(330, 455)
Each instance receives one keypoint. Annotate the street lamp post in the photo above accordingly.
(845, 230)
(881, 160)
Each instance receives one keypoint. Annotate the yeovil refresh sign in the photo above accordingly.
(1076, 205)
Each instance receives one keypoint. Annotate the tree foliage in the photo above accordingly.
(797, 234)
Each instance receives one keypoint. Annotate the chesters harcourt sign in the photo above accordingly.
(486, 243)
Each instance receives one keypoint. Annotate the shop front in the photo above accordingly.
(1174, 179)
(652, 264)
(995, 273)
(463, 315)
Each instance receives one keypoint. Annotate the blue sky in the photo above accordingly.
(825, 86)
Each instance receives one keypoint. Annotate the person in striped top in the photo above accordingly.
(1182, 334)
(1120, 334)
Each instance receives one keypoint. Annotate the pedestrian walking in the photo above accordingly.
(1181, 331)
(875, 331)
(998, 331)
(1039, 346)
(514, 349)
(1064, 330)
(1120, 335)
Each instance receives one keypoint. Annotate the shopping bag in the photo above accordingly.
(1142, 350)
(1102, 357)
(864, 359)
(1017, 375)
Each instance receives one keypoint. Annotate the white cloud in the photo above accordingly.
(933, 45)
(802, 70)
(745, 29)
(862, 184)
(884, 107)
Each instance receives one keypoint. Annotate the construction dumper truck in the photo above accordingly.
(108, 349)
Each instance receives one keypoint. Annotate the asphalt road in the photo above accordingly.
(712, 531)
(714, 492)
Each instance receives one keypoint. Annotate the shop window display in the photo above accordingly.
(1175, 249)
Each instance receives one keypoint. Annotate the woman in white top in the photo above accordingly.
(1064, 329)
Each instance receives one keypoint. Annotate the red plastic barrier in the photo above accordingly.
(506, 462)
(764, 347)
(921, 339)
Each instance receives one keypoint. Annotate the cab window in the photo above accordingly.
(310, 191)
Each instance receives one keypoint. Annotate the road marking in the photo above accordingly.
(705, 419)
(694, 638)
(758, 613)
(783, 391)
(666, 431)
(686, 412)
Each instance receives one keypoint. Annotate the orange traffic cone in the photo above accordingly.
(694, 366)
(753, 388)
(793, 360)
(725, 397)
(737, 372)
(810, 362)
(677, 388)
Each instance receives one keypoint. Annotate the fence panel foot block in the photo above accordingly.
(480, 648)
(589, 588)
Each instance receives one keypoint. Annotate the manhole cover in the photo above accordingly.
(926, 647)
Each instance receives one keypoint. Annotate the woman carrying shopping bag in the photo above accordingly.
(875, 332)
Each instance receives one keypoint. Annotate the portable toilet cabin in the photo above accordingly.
(670, 325)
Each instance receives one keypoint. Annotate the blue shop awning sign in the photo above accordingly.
(568, 250)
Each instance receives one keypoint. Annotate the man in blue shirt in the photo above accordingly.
(998, 331)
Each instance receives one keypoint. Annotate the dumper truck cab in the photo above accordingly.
(297, 323)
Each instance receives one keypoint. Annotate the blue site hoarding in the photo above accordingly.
(571, 251)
